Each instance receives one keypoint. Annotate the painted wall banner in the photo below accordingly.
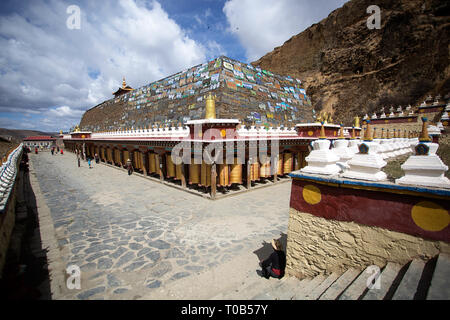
(414, 214)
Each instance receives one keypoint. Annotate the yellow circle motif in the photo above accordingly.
(83, 136)
(430, 216)
(310, 133)
(223, 133)
(445, 123)
(312, 194)
(386, 121)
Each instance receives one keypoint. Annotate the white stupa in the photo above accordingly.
(367, 163)
(322, 160)
(425, 168)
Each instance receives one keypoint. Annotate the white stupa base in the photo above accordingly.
(425, 171)
(316, 168)
(366, 167)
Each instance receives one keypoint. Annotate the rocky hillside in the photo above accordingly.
(349, 69)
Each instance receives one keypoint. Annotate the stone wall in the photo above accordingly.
(7, 221)
(318, 245)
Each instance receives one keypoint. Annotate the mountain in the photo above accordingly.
(349, 69)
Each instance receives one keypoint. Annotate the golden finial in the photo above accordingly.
(382, 134)
(210, 106)
(375, 133)
(368, 134)
(322, 131)
(342, 132)
(357, 122)
(124, 84)
(353, 133)
(424, 137)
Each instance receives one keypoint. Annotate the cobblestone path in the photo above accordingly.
(130, 235)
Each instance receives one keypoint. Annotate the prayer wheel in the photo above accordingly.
(280, 165)
(194, 173)
(137, 160)
(170, 166)
(117, 159)
(205, 175)
(178, 172)
(109, 157)
(152, 162)
(224, 175)
(236, 172)
(254, 171)
(264, 170)
(287, 166)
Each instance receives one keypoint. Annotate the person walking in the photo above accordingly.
(89, 162)
(129, 167)
(276, 263)
(53, 150)
(79, 160)
(97, 160)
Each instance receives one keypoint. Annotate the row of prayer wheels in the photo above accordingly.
(200, 174)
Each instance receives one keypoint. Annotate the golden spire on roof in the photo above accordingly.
(424, 137)
(124, 84)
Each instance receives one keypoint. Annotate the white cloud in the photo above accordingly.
(262, 25)
(45, 65)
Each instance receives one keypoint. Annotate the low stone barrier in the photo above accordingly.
(8, 178)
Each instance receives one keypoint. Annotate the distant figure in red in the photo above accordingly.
(35, 150)
(62, 151)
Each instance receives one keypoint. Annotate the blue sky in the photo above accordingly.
(50, 74)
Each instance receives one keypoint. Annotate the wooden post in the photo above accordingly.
(213, 181)
(159, 165)
(249, 168)
(275, 175)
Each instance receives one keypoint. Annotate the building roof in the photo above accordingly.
(39, 138)
(243, 91)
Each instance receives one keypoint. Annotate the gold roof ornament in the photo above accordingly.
(375, 133)
(356, 122)
(353, 134)
(124, 84)
(424, 137)
(342, 132)
(210, 106)
(322, 131)
(368, 134)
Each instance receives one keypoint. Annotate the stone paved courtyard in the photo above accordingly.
(132, 237)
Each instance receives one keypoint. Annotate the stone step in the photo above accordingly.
(356, 289)
(317, 292)
(340, 285)
(302, 293)
(387, 277)
(270, 293)
(287, 291)
(440, 283)
(410, 282)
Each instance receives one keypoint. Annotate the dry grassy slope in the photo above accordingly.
(350, 69)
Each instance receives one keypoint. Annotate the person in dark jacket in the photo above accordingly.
(129, 167)
(276, 263)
